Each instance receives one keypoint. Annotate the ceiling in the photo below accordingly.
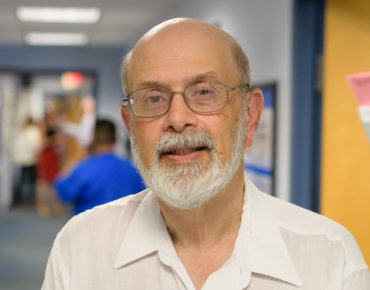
(121, 21)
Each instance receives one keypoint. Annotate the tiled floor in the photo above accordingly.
(25, 242)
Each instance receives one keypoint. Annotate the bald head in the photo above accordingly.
(185, 28)
(179, 40)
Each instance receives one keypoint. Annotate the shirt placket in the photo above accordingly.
(182, 277)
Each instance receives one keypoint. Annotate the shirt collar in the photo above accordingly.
(146, 233)
(259, 247)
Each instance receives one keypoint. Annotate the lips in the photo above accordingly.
(184, 150)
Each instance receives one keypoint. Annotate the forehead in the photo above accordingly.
(180, 52)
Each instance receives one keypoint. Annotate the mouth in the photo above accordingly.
(183, 151)
(183, 154)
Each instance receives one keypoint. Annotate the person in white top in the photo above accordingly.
(84, 130)
(26, 148)
(201, 224)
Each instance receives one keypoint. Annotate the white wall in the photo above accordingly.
(264, 29)
(8, 104)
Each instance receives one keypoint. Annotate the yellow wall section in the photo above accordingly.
(345, 177)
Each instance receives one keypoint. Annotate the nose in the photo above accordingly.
(179, 116)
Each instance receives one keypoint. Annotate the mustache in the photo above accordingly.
(187, 139)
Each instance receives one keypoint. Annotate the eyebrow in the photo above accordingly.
(208, 76)
(211, 75)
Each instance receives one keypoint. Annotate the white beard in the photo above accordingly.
(187, 186)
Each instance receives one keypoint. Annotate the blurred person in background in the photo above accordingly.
(101, 177)
(82, 131)
(27, 146)
(48, 167)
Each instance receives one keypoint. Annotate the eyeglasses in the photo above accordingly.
(203, 97)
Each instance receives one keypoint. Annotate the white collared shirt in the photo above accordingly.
(125, 245)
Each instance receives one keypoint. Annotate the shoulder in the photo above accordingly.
(122, 160)
(105, 216)
(88, 163)
(104, 225)
(111, 158)
(301, 220)
(91, 240)
(304, 225)
(125, 164)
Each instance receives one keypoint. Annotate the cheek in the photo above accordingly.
(230, 125)
(226, 145)
(146, 138)
(222, 132)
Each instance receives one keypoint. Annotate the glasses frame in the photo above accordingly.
(127, 100)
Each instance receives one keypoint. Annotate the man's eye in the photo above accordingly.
(154, 99)
(204, 92)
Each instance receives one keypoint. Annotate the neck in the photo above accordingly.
(213, 222)
(103, 148)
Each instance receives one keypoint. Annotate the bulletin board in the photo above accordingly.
(259, 162)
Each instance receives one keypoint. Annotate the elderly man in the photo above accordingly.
(202, 224)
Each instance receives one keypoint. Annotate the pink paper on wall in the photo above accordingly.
(360, 85)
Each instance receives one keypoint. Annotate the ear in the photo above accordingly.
(254, 112)
(126, 118)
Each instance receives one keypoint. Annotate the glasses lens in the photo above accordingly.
(206, 97)
(150, 102)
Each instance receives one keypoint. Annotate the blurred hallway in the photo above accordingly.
(25, 242)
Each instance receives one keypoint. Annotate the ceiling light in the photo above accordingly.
(58, 14)
(46, 38)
